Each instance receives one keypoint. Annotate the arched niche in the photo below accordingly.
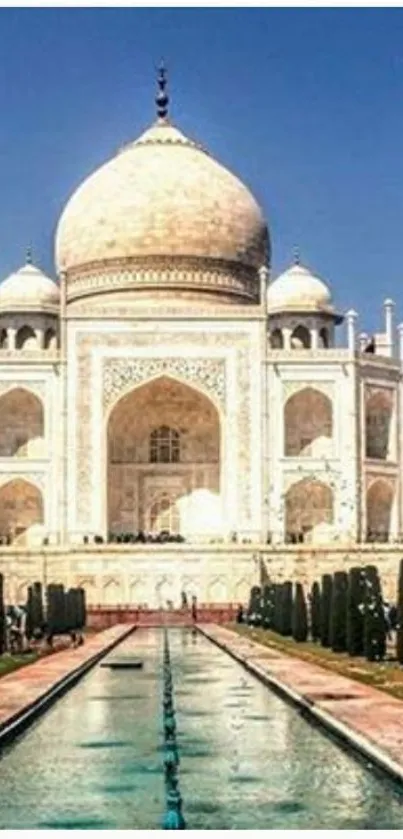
(379, 505)
(276, 339)
(50, 339)
(324, 339)
(21, 424)
(163, 460)
(378, 425)
(21, 512)
(308, 424)
(300, 338)
(309, 511)
(26, 339)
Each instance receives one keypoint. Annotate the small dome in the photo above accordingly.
(298, 290)
(29, 290)
(164, 214)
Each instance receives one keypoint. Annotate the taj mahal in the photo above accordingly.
(164, 381)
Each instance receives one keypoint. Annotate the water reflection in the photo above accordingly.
(248, 760)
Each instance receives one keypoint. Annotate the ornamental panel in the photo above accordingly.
(121, 374)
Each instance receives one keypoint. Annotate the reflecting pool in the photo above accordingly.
(248, 759)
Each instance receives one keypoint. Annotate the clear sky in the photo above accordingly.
(305, 105)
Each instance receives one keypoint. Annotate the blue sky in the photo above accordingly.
(305, 105)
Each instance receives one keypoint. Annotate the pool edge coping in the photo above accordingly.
(22, 719)
(338, 729)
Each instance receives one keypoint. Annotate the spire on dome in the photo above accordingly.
(297, 256)
(28, 255)
(162, 98)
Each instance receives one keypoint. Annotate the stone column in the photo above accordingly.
(400, 333)
(314, 337)
(388, 308)
(287, 332)
(12, 332)
(264, 278)
(351, 318)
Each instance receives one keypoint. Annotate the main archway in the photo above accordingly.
(163, 461)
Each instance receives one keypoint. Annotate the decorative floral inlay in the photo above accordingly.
(119, 374)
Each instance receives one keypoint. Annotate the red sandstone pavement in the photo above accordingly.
(368, 712)
(26, 685)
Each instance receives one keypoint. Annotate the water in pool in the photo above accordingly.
(248, 760)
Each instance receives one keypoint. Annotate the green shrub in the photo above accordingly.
(82, 609)
(3, 632)
(277, 611)
(355, 611)
(374, 619)
(399, 636)
(254, 608)
(338, 612)
(325, 604)
(315, 612)
(268, 606)
(299, 615)
(286, 608)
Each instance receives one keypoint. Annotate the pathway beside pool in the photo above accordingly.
(27, 686)
(367, 718)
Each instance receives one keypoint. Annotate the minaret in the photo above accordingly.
(162, 98)
(388, 308)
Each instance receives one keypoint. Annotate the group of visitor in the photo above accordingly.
(138, 537)
(193, 604)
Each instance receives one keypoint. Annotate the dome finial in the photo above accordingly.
(28, 255)
(297, 256)
(162, 98)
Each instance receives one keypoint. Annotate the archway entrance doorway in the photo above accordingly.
(163, 473)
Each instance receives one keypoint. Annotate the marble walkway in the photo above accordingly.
(368, 719)
(25, 689)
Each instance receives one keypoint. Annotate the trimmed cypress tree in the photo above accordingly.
(299, 615)
(325, 604)
(338, 612)
(286, 608)
(315, 612)
(3, 631)
(399, 634)
(72, 606)
(374, 619)
(355, 611)
(29, 621)
(268, 606)
(254, 606)
(37, 608)
(82, 610)
(278, 607)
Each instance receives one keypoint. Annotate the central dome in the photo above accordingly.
(162, 214)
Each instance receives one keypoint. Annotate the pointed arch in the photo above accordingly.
(163, 446)
(242, 590)
(111, 593)
(276, 339)
(26, 339)
(217, 591)
(50, 339)
(300, 338)
(309, 511)
(308, 424)
(378, 424)
(21, 424)
(21, 511)
(379, 505)
(324, 340)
